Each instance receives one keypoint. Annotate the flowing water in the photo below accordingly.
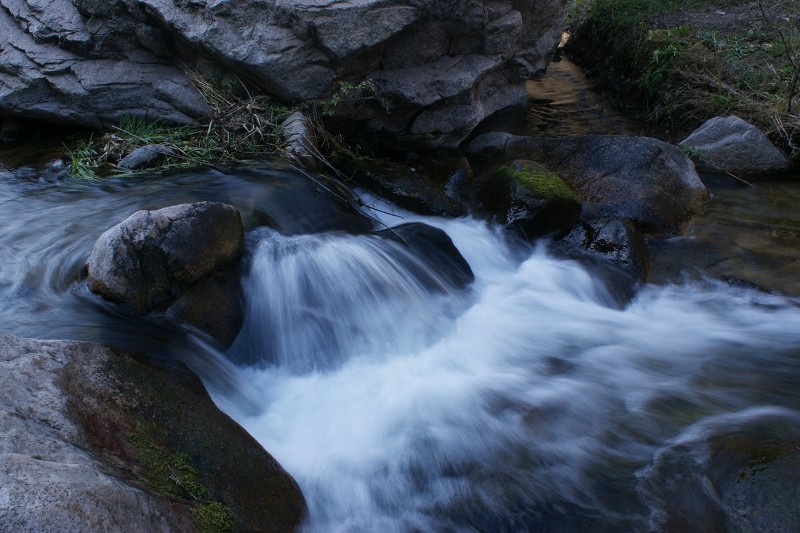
(527, 400)
(564, 102)
(524, 401)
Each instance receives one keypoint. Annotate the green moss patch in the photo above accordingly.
(540, 182)
(168, 472)
(172, 474)
(213, 517)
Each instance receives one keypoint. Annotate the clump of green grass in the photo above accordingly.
(684, 70)
(242, 126)
(83, 159)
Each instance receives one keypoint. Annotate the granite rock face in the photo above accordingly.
(433, 68)
(151, 257)
(79, 422)
(729, 144)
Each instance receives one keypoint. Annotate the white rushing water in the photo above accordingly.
(524, 400)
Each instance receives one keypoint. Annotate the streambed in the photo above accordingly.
(525, 401)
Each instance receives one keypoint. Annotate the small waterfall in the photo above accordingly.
(316, 301)
(523, 402)
(403, 400)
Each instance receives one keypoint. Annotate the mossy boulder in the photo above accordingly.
(156, 420)
(649, 182)
(538, 181)
(101, 440)
(528, 198)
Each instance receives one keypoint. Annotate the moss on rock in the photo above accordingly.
(213, 517)
(153, 424)
(541, 182)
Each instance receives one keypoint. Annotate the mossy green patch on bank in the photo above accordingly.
(540, 182)
(685, 61)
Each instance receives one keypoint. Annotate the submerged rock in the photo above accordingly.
(212, 305)
(95, 440)
(407, 186)
(729, 144)
(434, 69)
(436, 250)
(650, 182)
(733, 474)
(148, 259)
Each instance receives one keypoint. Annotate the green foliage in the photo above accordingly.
(172, 474)
(541, 183)
(686, 62)
(242, 126)
(82, 158)
(168, 472)
(347, 91)
(213, 518)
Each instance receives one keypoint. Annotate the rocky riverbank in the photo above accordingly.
(425, 71)
(88, 420)
(682, 63)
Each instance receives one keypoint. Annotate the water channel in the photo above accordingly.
(525, 401)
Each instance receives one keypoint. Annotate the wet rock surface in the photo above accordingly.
(407, 186)
(150, 258)
(732, 474)
(617, 241)
(434, 248)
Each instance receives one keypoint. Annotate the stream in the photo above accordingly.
(527, 400)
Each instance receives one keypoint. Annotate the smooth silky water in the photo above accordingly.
(528, 400)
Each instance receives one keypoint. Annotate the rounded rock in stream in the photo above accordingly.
(149, 259)
(531, 200)
(729, 144)
(435, 248)
(649, 182)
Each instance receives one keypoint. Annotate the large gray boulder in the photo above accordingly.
(436, 67)
(59, 64)
(729, 144)
(151, 258)
(95, 440)
(647, 181)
